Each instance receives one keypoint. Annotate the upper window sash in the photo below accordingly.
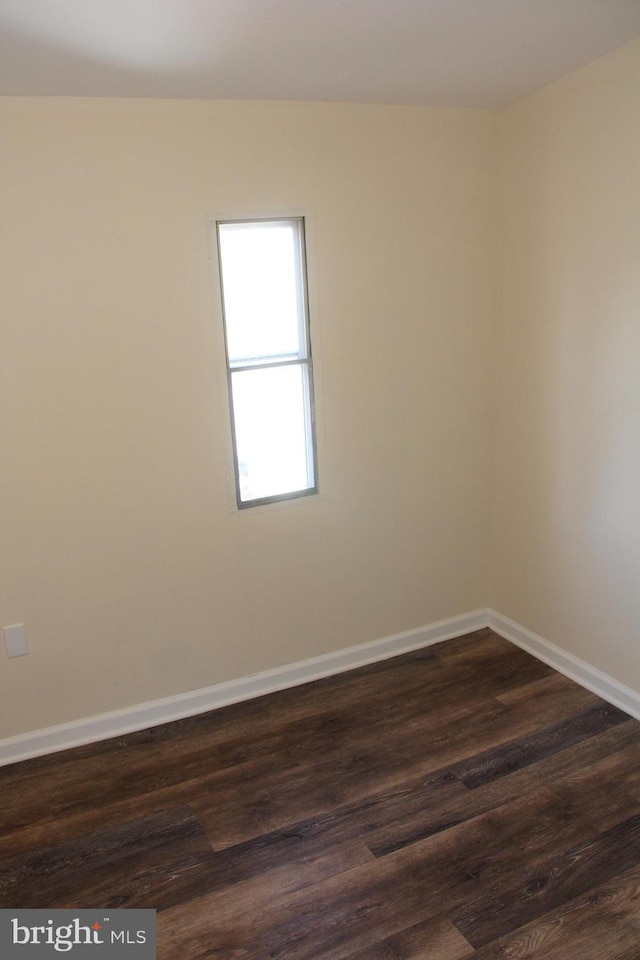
(266, 321)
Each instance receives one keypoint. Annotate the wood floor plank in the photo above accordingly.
(233, 914)
(56, 830)
(353, 910)
(481, 646)
(415, 884)
(548, 688)
(435, 939)
(602, 924)
(484, 855)
(494, 795)
(158, 861)
(230, 738)
(182, 944)
(526, 750)
(129, 865)
(109, 777)
(345, 773)
(369, 762)
(551, 771)
(372, 818)
(416, 810)
(461, 802)
(67, 809)
(550, 884)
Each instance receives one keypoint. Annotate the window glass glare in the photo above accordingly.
(262, 291)
(272, 430)
(269, 366)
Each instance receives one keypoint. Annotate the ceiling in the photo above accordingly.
(469, 53)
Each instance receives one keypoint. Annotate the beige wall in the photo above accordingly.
(567, 470)
(119, 550)
(119, 547)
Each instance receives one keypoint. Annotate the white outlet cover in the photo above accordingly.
(15, 639)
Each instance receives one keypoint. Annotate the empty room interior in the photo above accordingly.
(321, 635)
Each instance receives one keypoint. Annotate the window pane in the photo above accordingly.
(273, 432)
(263, 299)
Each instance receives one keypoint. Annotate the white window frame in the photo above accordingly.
(303, 359)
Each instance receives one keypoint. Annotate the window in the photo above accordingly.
(269, 367)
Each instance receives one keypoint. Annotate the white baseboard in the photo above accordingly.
(151, 714)
(573, 667)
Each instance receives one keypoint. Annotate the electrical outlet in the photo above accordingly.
(15, 639)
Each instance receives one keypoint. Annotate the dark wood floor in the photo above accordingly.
(460, 803)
